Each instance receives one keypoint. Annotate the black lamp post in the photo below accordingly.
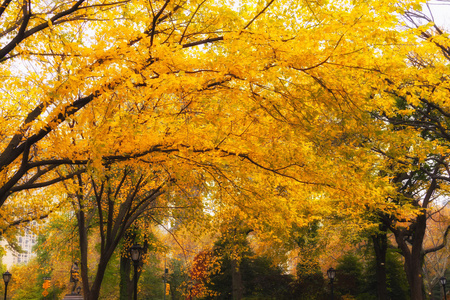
(166, 271)
(331, 275)
(443, 281)
(136, 252)
(6, 279)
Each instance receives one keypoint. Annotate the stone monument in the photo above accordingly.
(74, 278)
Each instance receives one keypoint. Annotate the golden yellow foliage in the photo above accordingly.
(264, 107)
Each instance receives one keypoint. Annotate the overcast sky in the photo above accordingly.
(441, 12)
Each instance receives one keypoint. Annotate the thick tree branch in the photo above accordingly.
(24, 221)
(29, 186)
(22, 34)
(4, 6)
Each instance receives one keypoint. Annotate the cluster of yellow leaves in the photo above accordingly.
(267, 113)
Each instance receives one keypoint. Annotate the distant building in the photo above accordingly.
(26, 242)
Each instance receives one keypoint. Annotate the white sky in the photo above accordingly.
(440, 10)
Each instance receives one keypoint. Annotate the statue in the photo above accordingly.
(74, 277)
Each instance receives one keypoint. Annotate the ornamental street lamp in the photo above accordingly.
(6, 279)
(331, 273)
(136, 253)
(443, 281)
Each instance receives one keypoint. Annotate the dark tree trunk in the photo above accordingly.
(126, 283)
(411, 246)
(92, 292)
(127, 267)
(410, 236)
(83, 253)
(95, 289)
(112, 227)
(236, 278)
(380, 246)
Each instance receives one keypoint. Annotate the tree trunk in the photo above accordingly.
(413, 254)
(126, 284)
(95, 289)
(126, 281)
(380, 247)
(83, 253)
(413, 268)
(91, 292)
(236, 278)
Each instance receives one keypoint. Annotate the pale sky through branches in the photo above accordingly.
(440, 11)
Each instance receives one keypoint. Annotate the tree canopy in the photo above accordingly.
(285, 114)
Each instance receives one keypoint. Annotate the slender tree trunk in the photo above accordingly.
(112, 233)
(92, 292)
(236, 278)
(126, 284)
(126, 281)
(83, 253)
(95, 289)
(417, 258)
(380, 247)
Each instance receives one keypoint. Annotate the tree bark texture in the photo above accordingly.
(236, 277)
(380, 247)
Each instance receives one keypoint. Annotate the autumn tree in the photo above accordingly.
(171, 65)
(418, 168)
(254, 102)
(404, 140)
(112, 203)
(24, 23)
